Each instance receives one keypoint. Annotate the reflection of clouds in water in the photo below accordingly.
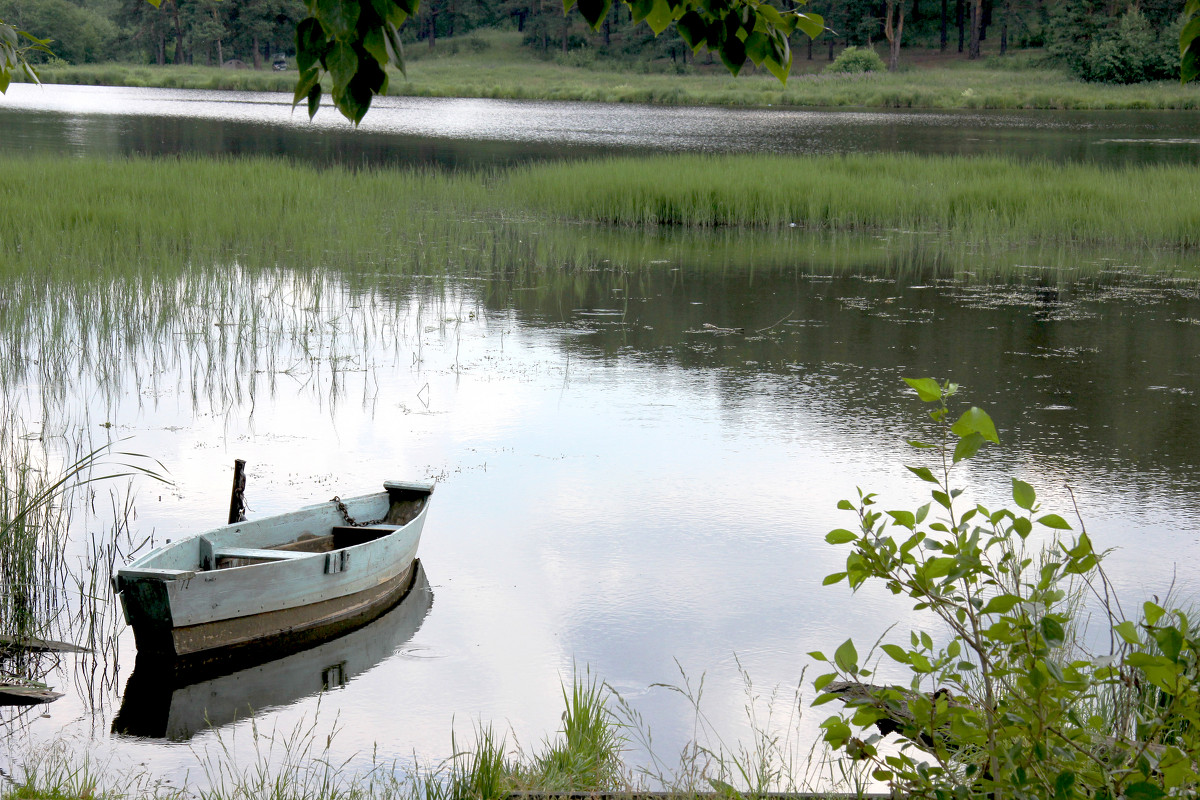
(612, 500)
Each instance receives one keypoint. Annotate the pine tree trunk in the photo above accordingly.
(976, 28)
(945, 19)
(432, 26)
(810, 41)
(958, 20)
(178, 36)
(893, 29)
(566, 32)
(257, 55)
(160, 55)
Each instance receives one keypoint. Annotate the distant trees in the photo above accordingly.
(1116, 41)
(1103, 41)
(178, 31)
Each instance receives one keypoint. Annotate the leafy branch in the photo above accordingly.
(1010, 705)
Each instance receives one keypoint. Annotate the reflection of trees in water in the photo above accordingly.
(762, 311)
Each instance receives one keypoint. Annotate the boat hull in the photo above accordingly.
(299, 575)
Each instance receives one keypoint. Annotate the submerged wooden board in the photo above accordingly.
(17, 695)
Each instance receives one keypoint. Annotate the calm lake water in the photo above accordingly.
(400, 130)
(636, 464)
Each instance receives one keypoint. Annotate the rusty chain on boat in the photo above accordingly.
(351, 521)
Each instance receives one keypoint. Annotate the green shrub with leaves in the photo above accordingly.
(1008, 704)
(857, 59)
(1132, 53)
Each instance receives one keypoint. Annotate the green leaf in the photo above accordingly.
(692, 30)
(660, 17)
(968, 446)
(314, 100)
(836, 577)
(1170, 641)
(758, 47)
(1153, 612)
(1022, 526)
(1023, 494)
(840, 536)
(924, 473)
(929, 390)
(308, 79)
(409, 7)
(811, 24)
(1143, 790)
(896, 652)
(373, 42)
(343, 64)
(904, 519)
(1189, 49)
(937, 567)
(1127, 631)
(845, 505)
(395, 47)
(338, 16)
(594, 11)
(1054, 521)
(976, 420)
(311, 43)
(1001, 605)
(733, 54)
(846, 657)
(824, 680)
(779, 62)
(1052, 631)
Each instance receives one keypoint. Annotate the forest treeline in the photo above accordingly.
(1115, 41)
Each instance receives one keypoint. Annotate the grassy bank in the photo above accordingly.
(494, 64)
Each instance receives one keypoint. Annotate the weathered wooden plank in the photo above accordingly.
(257, 554)
(40, 645)
(20, 695)
(161, 574)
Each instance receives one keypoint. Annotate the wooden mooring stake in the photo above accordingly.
(237, 499)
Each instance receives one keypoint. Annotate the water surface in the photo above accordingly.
(453, 132)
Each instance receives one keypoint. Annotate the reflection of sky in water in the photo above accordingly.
(617, 511)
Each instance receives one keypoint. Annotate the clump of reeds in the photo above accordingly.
(33, 532)
(983, 200)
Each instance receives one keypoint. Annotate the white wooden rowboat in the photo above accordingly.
(279, 578)
(175, 699)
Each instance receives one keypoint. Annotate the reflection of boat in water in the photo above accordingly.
(174, 699)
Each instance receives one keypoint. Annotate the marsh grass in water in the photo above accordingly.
(586, 755)
(984, 200)
(138, 216)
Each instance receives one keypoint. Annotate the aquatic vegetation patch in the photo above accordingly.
(984, 200)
